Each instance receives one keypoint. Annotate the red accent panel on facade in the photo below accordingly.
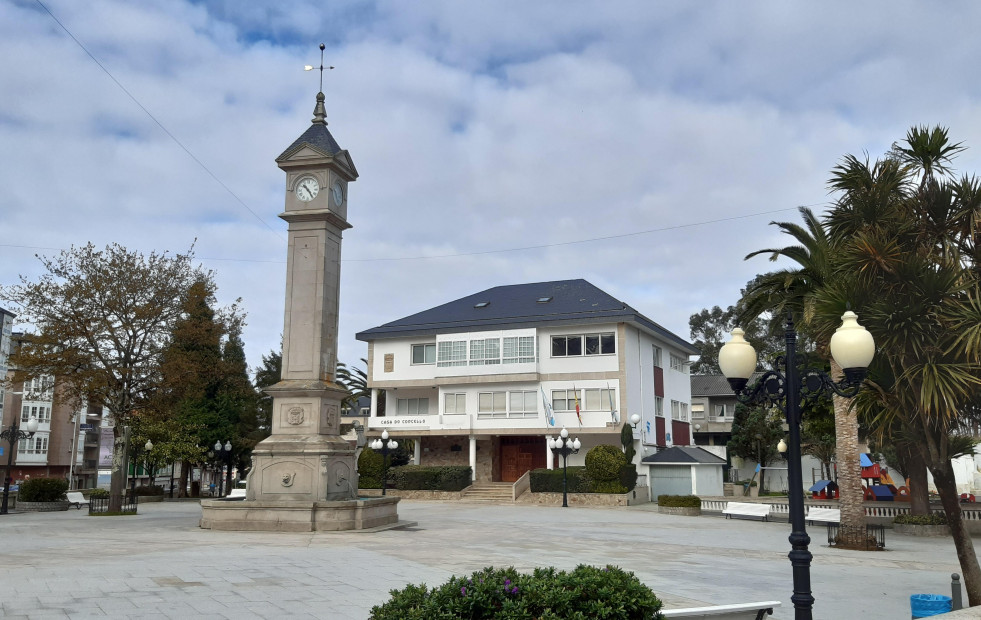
(680, 433)
(658, 382)
(659, 431)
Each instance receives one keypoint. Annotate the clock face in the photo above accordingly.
(338, 192)
(307, 189)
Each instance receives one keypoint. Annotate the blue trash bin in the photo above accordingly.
(926, 605)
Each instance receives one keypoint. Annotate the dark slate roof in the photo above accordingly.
(714, 385)
(508, 307)
(316, 136)
(684, 454)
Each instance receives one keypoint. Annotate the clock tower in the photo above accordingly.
(305, 459)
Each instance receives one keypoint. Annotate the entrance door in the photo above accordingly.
(520, 454)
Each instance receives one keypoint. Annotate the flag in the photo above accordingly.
(613, 409)
(578, 415)
(548, 408)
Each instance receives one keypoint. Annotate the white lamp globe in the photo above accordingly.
(148, 445)
(737, 358)
(635, 419)
(217, 446)
(852, 345)
(551, 443)
(228, 445)
(782, 446)
(385, 434)
(32, 424)
(575, 444)
(393, 445)
(558, 444)
(564, 433)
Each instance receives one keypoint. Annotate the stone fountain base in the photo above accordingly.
(367, 513)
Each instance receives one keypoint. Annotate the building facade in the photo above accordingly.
(63, 434)
(6, 329)
(486, 379)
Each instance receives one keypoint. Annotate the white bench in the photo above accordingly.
(824, 515)
(77, 499)
(740, 611)
(745, 509)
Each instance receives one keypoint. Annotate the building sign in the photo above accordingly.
(106, 439)
(417, 422)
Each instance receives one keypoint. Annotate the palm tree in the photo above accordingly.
(917, 253)
(799, 289)
(355, 381)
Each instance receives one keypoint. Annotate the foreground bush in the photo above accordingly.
(43, 490)
(431, 478)
(587, 592)
(550, 480)
(604, 465)
(679, 501)
(98, 494)
(936, 518)
(149, 491)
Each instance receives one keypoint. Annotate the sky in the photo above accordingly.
(643, 146)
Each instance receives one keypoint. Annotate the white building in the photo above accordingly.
(471, 380)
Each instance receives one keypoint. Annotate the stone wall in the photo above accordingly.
(438, 451)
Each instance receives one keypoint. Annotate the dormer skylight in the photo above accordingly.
(544, 300)
(482, 304)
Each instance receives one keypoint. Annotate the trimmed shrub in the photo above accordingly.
(429, 478)
(43, 490)
(679, 501)
(371, 468)
(936, 518)
(607, 486)
(603, 463)
(628, 477)
(586, 592)
(149, 491)
(550, 480)
(98, 493)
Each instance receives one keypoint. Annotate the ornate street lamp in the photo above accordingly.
(224, 455)
(385, 445)
(564, 447)
(136, 464)
(13, 435)
(793, 383)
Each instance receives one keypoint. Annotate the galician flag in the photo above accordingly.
(548, 408)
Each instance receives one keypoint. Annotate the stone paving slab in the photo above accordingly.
(159, 564)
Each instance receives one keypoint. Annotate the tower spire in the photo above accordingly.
(319, 111)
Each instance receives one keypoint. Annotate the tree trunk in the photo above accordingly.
(185, 472)
(919, 494)
(117, 479)
(852, 496)
(943, 478)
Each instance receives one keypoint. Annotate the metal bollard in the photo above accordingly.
(955, 592)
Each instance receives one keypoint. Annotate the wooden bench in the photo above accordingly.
(77, 499)
(824, 515)
(745, 509)
(740, 611)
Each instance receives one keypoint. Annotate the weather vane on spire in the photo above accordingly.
(311, 67)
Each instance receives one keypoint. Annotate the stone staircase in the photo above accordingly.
(489, 493)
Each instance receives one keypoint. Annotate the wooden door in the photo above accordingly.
(520, 454)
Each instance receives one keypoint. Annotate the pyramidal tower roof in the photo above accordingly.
(316, 136)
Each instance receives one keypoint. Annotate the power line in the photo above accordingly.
(154, 119)
(500, 251)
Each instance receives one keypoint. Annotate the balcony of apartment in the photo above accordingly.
(32, 457)
(91, 439)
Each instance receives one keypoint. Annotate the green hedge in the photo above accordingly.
(936, 518)
(43, 490)
(679, 501)
(149, 491)
(98, 494)
(371, 468)
(586, 592)
(550, 480)
(628, 477)
(604, 462)
(429, 478)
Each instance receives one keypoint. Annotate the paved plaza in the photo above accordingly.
(159, 564)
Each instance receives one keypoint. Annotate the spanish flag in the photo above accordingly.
(578, 415)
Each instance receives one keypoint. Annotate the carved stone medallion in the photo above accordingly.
(295, 416)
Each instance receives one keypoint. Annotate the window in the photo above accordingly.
(519, 349)
(657, 357)
(679, 411)
(720, 410)
(413, 406)
(454, 403)
(523, 404)
(25, 414)
(697, 410)
(485, 351)
(679, 363)
(659, 406)
(35, 445)
(564, 400)
(595, 344)
(598, 399)
(452, 353)
(492, 404)
(424, 354)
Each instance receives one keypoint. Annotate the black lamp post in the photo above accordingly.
(136, 464)
(224, 455)
(793, 383)
(384, 445)
(564, 447)
(13, 435)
